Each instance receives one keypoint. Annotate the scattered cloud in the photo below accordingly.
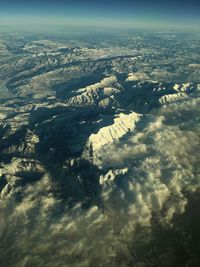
(147, 172)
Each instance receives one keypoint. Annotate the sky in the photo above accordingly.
(93, 12)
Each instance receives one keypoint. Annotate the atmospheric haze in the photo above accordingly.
(120, 14)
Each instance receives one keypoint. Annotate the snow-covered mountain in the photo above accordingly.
(99, 150)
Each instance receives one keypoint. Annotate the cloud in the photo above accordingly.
(145, 174)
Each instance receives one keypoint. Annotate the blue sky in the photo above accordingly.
(122, 12)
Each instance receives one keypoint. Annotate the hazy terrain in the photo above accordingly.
(99, 149)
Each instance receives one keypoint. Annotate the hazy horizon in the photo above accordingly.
(112, 14)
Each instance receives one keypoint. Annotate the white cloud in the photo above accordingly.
(147, 172)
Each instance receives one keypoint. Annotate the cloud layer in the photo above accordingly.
(146, 174)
